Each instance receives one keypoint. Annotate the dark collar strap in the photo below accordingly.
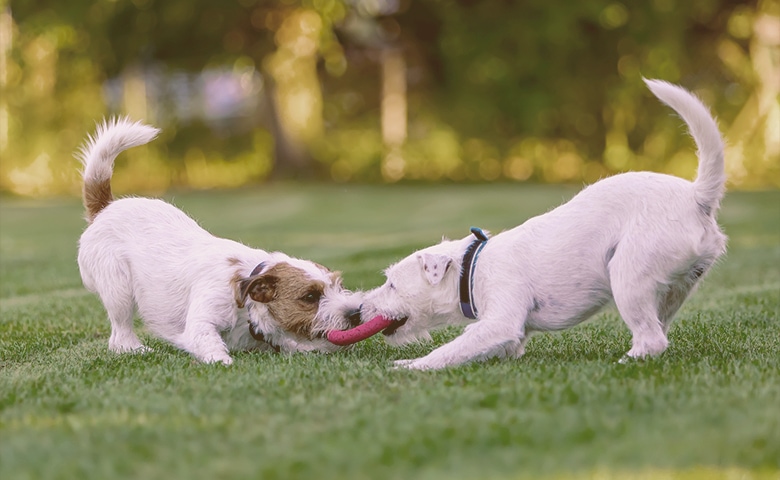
(258, 335)
(259, 268)
(466, 286)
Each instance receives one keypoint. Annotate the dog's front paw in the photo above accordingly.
(402, 363)
(223, 359)
(416, 364)
(628, 359)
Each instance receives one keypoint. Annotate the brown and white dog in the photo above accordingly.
(204, 294)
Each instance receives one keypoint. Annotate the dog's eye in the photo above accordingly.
(312, 297)
(391, 286)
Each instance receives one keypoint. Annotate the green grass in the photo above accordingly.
(707, 408)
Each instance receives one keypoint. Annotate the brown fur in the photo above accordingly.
(233, 261)
(284, 289)
(97, 196)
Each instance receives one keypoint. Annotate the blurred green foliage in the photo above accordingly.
(545, 91)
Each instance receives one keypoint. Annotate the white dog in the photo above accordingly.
(204, 294)
(641, 239)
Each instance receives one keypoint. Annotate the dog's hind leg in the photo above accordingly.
(678, 290)
(110, 280)
(636, 295)
(120, 308)
(671, 302)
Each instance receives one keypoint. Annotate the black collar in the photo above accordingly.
(466, 286)
(259, 268)
(258, 335)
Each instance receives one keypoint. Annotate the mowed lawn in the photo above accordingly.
(708, 408)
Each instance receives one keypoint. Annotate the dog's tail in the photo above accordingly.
(710, 183)
(97, 157)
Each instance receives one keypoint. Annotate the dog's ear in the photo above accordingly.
(434, 266)
(260, 288)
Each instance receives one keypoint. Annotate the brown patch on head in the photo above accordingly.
(322, 267)
(335, 278)
(97, 195)
(291, 296)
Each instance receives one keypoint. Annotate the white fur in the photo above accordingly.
(112, 137)
(148, 255)
(640, 239)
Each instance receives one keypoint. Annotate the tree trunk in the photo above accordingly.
(393, 112)
(291, 158)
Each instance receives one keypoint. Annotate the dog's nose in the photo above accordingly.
(353, 317)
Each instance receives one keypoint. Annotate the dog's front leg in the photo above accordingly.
(203, 340)
(480, 341)
(201, 335)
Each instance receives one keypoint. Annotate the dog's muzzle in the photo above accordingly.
(353, 317)
(395, 326)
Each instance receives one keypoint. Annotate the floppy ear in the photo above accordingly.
(260, 288)
(434, 266)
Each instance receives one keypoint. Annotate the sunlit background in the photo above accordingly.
(383, 90)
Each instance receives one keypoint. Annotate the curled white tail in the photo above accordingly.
(97, 157)
(710, 183)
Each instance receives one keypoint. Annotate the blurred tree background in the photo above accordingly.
(383, 90)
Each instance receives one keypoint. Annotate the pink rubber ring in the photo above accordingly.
(361, 332)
